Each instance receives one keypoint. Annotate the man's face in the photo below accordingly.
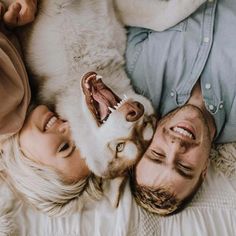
(178, 154)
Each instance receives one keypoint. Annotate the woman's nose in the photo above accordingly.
(63, 127)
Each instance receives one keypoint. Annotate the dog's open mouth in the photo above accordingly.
(100, 99)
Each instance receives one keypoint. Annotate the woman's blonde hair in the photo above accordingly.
(44, 187)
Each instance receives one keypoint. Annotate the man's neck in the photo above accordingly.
(197, 100)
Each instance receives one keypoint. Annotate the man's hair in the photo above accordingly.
(160, 200)
(44, 187)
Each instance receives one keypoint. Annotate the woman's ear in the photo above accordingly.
(204, 172)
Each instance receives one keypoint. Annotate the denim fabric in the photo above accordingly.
(164, 66)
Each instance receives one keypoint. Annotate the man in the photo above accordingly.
(189, 74)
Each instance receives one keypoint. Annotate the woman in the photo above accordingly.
(44, 166)
(55, 175)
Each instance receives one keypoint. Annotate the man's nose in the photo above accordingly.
(63, 127)
(178, 146)
(132, 110)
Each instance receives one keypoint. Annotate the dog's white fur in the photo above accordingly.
(70, 38)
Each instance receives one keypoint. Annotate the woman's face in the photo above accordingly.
(47, 139)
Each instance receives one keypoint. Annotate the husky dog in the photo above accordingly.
(111, 125)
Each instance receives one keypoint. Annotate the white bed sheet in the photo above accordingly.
(212, 212)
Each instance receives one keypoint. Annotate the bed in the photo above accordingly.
(212, 211)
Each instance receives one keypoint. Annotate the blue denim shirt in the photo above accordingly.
(164, 66)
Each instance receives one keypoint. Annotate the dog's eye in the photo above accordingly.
(64, 147)
(120, 147)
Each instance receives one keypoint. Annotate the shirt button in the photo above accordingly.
(221, 106)
(172, 94)
(206, 40)
(211, 107)
(208, 86)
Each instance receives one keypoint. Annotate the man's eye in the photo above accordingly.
(156, 159)
(187, 168)
(158, 155)
(64, 147)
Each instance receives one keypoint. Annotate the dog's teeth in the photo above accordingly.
(98, 77)
(116, 107)
(111, 109)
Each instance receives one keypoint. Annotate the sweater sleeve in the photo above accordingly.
(155, 14)
(14, 88)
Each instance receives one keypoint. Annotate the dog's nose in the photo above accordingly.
(132, 110)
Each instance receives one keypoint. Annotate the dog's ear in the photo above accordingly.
(114, 190)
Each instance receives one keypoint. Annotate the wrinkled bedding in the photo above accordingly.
(212, 212)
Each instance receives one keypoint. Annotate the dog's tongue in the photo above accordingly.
(104, 97)
(99, 97)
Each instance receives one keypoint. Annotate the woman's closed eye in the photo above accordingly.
(66, 149)
(63, 147)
